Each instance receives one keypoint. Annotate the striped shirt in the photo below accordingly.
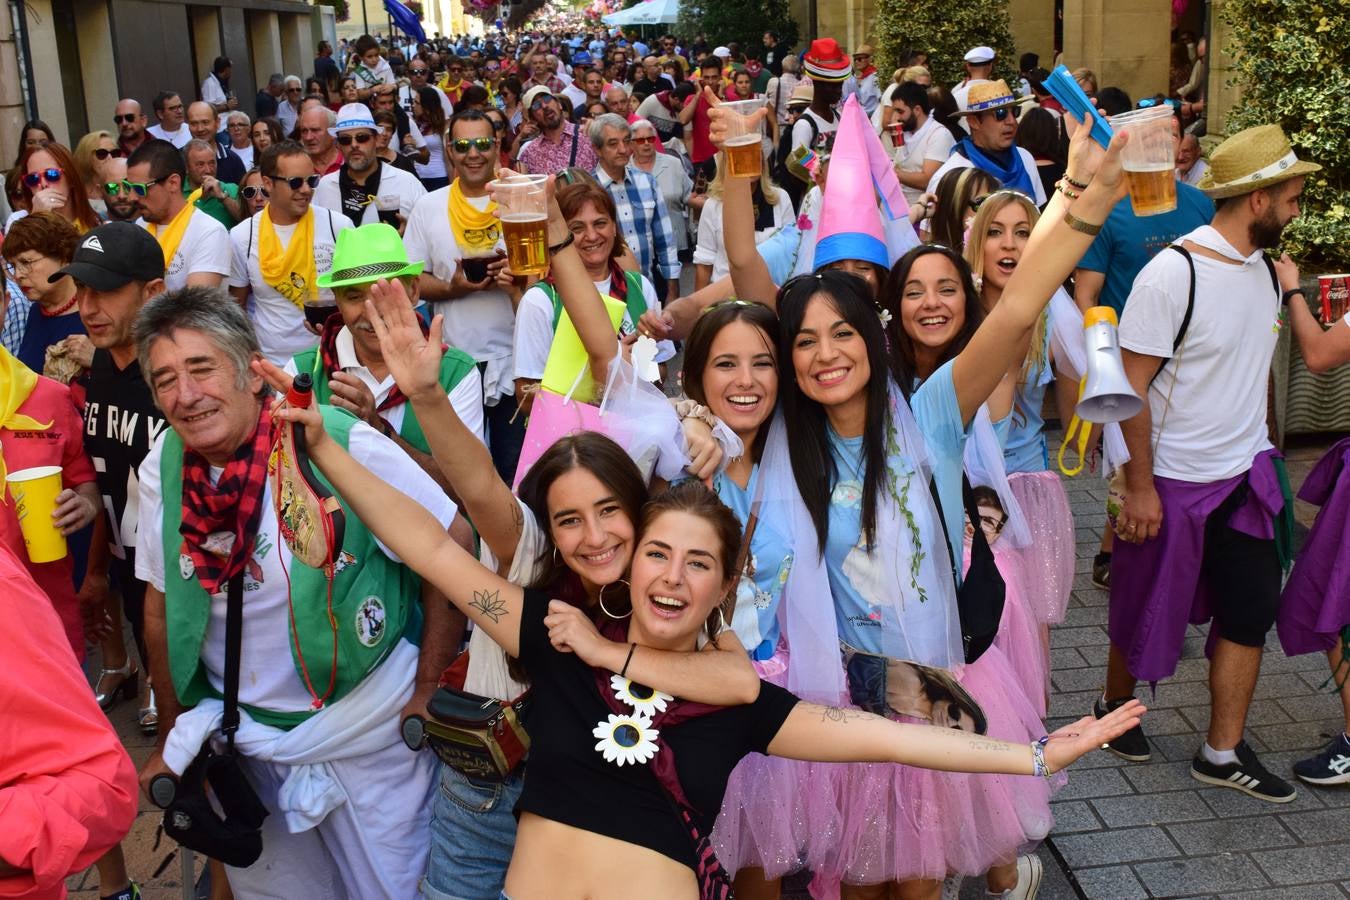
(644, 221)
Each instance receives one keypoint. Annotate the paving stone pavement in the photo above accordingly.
(1124, 831)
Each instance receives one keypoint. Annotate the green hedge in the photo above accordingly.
(742, 21)
(946, 30)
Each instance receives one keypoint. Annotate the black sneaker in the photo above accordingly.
(1246, 775)
(1131, 745)
(1101, 571)
(1331, 766)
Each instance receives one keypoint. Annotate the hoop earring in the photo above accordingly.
(721, 623)
(556, 560)
(602, 602)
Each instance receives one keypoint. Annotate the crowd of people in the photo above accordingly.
(712, 655)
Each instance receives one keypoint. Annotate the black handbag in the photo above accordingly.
(479, 736)
(231, 833)
(980, 596)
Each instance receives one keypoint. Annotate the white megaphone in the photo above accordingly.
(1107, 395)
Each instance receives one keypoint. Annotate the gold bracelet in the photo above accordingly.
(1079, 225)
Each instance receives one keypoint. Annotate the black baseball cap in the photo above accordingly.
(114, 254)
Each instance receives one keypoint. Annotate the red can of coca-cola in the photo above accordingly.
(1335, 291)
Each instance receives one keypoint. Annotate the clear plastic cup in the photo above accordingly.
(1149, 159)
(744, 143)
(34, 493)
(524, 212)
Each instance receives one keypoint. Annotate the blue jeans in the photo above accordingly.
(473, 831)
(504, 437)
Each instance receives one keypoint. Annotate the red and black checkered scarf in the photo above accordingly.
(328, 355)
(618, 283)
(231, 507)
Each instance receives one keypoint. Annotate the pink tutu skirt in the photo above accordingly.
(902, 823)
(779, 815)
(1021, 637)
(1048, 562)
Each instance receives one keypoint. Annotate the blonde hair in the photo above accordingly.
(84, 153)
(913, 73)
(994, 204)
(766, 183)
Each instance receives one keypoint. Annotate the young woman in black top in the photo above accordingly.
(596, 817)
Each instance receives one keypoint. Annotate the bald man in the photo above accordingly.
(130, 121)
(201, 121)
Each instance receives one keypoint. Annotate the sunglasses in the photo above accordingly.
(1149, 102)
(49, 176)
(139, 188)
(999, 114)
(253, 192)
(126, 119)
(540, 103)
(294, 90)
(296, 181)
(418, 71)
(363, 137)
(650, 139)
(103, 153)
(463, 145)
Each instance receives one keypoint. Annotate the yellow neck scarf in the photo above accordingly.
(290, 271)
(16, 383)
(171, 235)
(474, 231)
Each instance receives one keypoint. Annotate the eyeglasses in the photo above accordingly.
(862, 56)
(482, 145)
(497, 124)
(361, 137)
(141, 188)
(177, 108)
(18, 267)
(253, 192)
(977, 202)
(296, 181)
(993, 523)
(649, 139)
(999, 114)
(418, 71)
(294, 90)
(103, 153)
(125, 119)
(238, 125)
(47, 176)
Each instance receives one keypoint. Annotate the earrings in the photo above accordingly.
(602, 602)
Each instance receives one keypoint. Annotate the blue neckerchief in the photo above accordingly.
(1008, 169)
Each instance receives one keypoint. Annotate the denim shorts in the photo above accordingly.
(473, 831)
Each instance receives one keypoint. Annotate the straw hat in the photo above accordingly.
(986, 96)
(1254, 158)
(803, 93)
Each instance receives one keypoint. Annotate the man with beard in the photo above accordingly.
(130, 121)
(454, 233)
(991, 146)
(554, 143)
(196, 246)
(927, 144)
(363, 175)
(117, 196)
(277, 253)
(1206, 519)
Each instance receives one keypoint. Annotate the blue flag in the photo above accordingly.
(405, 19)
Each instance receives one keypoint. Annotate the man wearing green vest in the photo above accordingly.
(348, 367)
(329, 662)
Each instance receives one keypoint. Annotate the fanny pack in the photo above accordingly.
(869, 676)
(478, 736)
(233, 834)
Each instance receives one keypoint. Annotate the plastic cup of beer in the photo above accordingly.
(524, 212)
(34, 492)
(744, 143)
(1149, 159)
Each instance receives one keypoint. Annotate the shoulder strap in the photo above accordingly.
(551, 292)
(751, 523)
(252, 227)
(234, 633)
(1190, 297)
(572, 160)
(1274, 279)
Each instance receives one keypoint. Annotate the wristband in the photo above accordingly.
(1081, 185)
(1284, 298)
(1080, 226)
(1039, 767)
(563, 244)
(1071, 194)
(632, 648)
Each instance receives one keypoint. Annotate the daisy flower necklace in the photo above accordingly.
(628, 737)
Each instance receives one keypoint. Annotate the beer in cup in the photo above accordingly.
(34, 494)
(524, 213)
(743, 144)
(1149, 159)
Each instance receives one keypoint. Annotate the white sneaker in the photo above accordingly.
(1029, 875)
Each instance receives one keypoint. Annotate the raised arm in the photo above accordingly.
(1322, 350)
(410, 531)
(749, 272)
(1052, 252)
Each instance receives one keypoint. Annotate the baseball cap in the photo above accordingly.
(112, 255)
(353, 117)
(538, 90)
(722, 53)
(979, 55)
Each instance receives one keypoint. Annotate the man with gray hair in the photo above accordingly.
(269, 96)
(316, 124)
(288, 110)
(643, 218)
(328, 663)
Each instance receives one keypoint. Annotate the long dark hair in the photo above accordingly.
(955, 192)
(812, 463)
(698, 346)
(904, 362)
(609, 463)
(433, 114)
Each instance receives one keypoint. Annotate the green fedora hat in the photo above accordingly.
(367, 254)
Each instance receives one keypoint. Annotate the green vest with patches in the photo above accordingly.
(635, 303)
(455, 364)
(369, 586)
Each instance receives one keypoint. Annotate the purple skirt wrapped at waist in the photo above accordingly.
(1316, 604)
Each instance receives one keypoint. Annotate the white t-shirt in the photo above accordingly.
(801, 131)
(214, 93)
(480, 324)
(931, 141)
(488, 675)
(405, 95)
(280, 324)
(534, 328)
(957, 161)
(576, 95)
(1216, 417)
(267, 675)
(1193, 176)
(178, 138)
(712, 251)
(245, 154)
(205, 247)
(287, 114)
(435, 164)
(393, 183)
(466, 398)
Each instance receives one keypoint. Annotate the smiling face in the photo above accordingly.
(677, 578)
(262, 137)
(829, 357)
(474, 167)
(740, 379)
(201, 121)
(592, 533)
(594, 232)
(292, 203)
(351, 302)
(932, 302)
(1004, 243)
(205, 398)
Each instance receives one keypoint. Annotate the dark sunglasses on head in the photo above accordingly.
(296, 181)
(482, 145)
(103, 153)
(33, 179)
(361, 137)
(127, 119)
(253, 192)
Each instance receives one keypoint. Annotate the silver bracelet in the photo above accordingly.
(1039, 767)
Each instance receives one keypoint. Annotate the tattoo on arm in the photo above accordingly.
(840, 715)
(490, 604)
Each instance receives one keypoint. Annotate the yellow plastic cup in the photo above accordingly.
(34, 494)
(567, 357)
